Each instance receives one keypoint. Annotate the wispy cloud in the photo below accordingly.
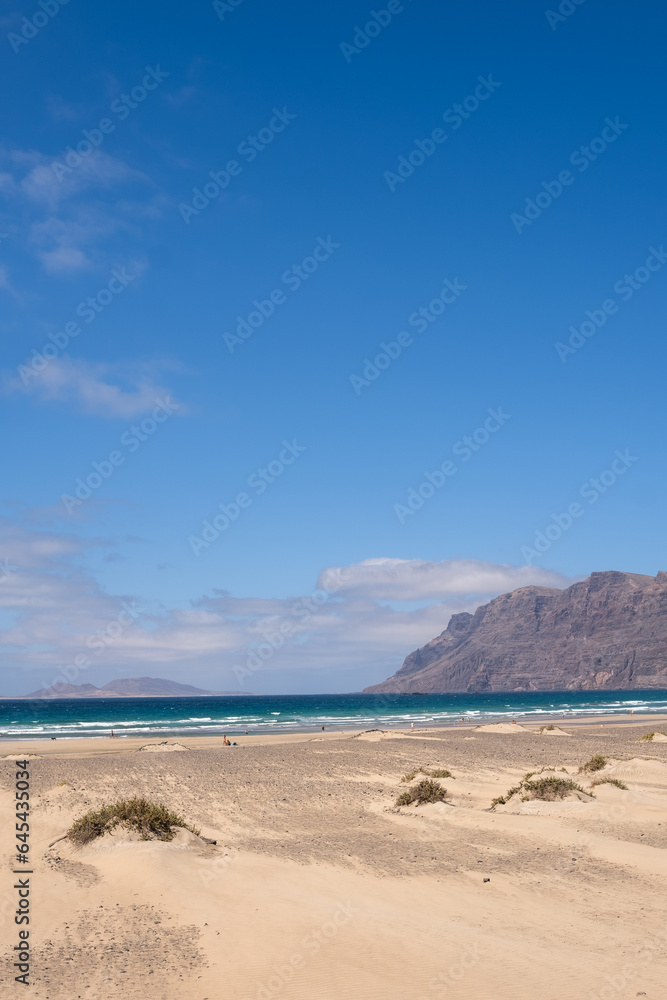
(418, 580)
(70, 223)
(102, 390)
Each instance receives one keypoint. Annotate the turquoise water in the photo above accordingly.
(280, 713)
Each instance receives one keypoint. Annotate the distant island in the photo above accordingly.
(608, 632)
(129, 687)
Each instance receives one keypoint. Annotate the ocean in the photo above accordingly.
(153, 717)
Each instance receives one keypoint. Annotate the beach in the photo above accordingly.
(317, 885)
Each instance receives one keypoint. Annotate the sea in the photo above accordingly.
(169, 717)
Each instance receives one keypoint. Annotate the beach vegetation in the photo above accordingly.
(150, 819)
(609, 781)
(548, 789)
(596, 763)
(423, 792)
(438, 772)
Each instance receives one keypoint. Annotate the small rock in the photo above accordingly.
(486, 880)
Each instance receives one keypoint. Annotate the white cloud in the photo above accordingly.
(95, 389)
(70, 223)
(419, 580)
(54, 610)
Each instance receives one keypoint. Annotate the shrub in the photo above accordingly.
(609, 781)
(424, 791)
(150, 819)
(647, 736)
(550, 789)
(438, 772)
(596, 763)
(547, 789)
(548, 728)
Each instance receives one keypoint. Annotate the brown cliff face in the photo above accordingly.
(609, 631)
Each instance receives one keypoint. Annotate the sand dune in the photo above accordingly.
(319, 887)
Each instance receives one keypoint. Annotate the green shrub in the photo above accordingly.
(438, 772)
(547, 789)
(150, 819)
(424, 791)
(596, 763)
(609, 781)
(647, 736)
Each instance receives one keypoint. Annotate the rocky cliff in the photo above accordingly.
(609, 631)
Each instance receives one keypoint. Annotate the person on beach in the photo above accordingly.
(225, 741)
(111, 737)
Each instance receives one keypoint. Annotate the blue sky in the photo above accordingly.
(336, 108)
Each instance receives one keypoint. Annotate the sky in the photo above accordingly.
(321, 322)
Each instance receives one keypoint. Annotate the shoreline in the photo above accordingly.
(102, 744)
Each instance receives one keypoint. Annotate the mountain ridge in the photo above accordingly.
(606, 632)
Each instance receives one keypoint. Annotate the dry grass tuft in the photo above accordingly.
(596, 763)
(150, 819)
(438, 772)
(423, 792)
(547, 789)
(609, 781)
